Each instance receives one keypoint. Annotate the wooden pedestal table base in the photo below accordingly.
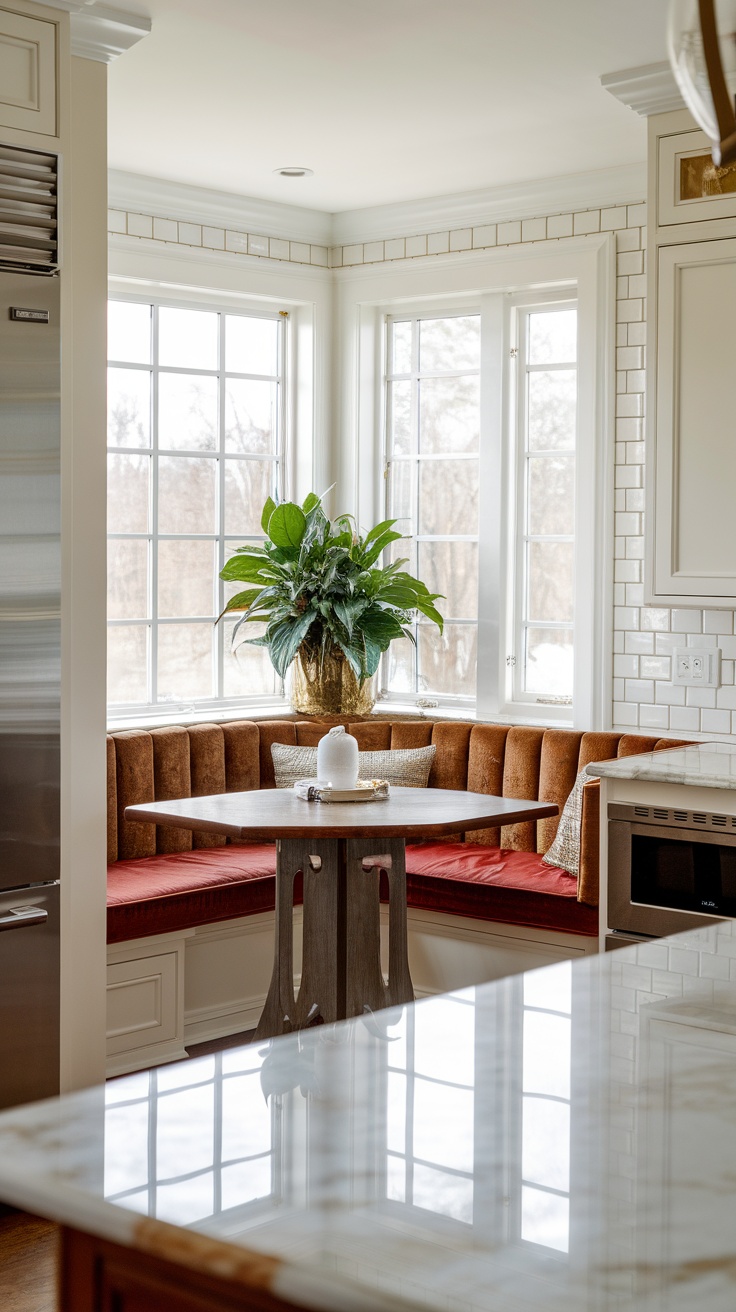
(341, 944)
(332, 844)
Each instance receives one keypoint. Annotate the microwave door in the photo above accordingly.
(648, 888)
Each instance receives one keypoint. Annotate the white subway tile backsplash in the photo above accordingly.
(372, 252)
(416, 246)
(727, 646)
(625, 714)
(629, 239)
(335, 257)
(702, 640)
(637, 334)
(438, 243)
(461, 239)
(533, 229)
(630, 262)
(715, 721)
(636, 214)
(507, 234)
(717, 621)
(670, 694)
(655, 618)
(686, 621)
(665, 643)
(627, 571)
(257, 245)
(116, 220)
(278, 248)
(485, 235)
(299, 252)
(140, 225)
(586, 221)
(685, 719)
(630, 311)
(626, 617)
(655, 667)
(726, 698)
(559, 225)
(634, 594)
(352, 254)
(705, 697)
(635, 499)
(319, 255)
(654, 717)
(613, 218)
(237, 242)
(642, 643)
(640, 690)
(395, 248)
(214, 238)
(190, 234)
(626, 667)
(163, 229)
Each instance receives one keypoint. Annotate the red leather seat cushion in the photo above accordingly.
(161, 894)
(492, 883)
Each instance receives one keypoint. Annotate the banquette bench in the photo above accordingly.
(190, 916)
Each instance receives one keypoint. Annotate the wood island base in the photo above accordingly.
(99, 1276)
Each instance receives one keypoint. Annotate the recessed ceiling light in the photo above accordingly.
(294, 171)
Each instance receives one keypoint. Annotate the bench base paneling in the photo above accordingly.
(173, 990)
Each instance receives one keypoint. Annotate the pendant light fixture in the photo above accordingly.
(701, 44)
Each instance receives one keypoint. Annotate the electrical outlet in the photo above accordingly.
(698, 667)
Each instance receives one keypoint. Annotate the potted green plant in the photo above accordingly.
(329, 608)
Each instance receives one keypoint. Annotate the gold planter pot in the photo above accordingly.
(329, 686)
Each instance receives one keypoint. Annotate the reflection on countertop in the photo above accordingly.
(564, 1139)
(702, 765)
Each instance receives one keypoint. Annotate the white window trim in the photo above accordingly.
(365, 296)
(141, 292)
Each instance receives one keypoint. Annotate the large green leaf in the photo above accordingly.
(268, 510)
(378, 546)
(431, 612)
(348, 610)
(243, 600)
(248, 569)
(287, 525)
(310, 501)
(285, 639)
(378, 530)
(380, 626)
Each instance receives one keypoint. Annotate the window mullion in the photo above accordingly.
(219, 654)
(153, 640)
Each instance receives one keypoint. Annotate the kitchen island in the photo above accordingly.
(563, 1140)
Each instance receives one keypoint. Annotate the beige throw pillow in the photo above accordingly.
(404, 768)
(565, 850)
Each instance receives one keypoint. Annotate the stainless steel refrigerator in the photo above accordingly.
(30, 622)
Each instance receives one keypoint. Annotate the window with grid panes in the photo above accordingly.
(543, 655)
(230, 1159)
(195, 443)
(432, 452)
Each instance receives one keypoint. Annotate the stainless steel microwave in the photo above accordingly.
(669, 870)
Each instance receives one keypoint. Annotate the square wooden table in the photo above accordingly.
(340, 848)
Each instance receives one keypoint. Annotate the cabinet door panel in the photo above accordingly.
(693, 462)
(27, 73)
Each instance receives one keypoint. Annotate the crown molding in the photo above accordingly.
(100, 31)
(649, 89)
(522, 200)
(178, 200)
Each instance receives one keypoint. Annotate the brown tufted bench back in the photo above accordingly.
(508, 761)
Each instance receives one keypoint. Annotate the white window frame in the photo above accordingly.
(492, 280)
(430, 312)
(521, 307)
(220, 303)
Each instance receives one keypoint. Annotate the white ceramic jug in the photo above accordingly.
(337, 759)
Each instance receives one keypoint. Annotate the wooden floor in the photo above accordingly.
(28, 1244)
(27, 1263)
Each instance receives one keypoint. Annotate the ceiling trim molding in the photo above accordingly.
(177, 200)
(102, 32)
(523, 200)
(649, 89)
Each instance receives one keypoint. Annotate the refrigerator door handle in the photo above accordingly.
(21, 916)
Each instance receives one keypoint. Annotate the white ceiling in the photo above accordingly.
(386, 100)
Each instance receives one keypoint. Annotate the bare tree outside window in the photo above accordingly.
(432, 446)
(195, 448)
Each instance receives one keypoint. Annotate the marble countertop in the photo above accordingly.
(706, 765)
(560, 1141)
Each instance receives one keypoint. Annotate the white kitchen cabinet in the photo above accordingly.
(692, 457)
(28, 54)
(690, 543)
